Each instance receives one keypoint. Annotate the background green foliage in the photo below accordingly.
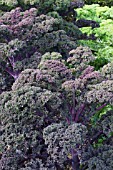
(103, 45)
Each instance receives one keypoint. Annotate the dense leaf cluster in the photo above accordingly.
(25, 33)
(51, 97)
(45, 27)
(46, 117)
(51, 5)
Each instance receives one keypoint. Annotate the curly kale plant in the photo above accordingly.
(28, 25)
(100, 158)
(27, 32)
(47, 26)
(47, 115)
(14, 58)
(45, 5)
(46, 119)
(33, 108)
(62, 140)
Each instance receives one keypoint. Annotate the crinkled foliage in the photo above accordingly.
(23, 33)
(47, 117)
(57, 94)
(61, 139)
(57, 5)
(47, 26)
(99, 159)
(29, 26)
(28, 109)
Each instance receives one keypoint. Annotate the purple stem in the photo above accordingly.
(73, 108)
(13, 74)
(69, 108)
(79, 112)
(95, 137)
(68, 121)
(75, 160)
(101, 107)
(11, 59)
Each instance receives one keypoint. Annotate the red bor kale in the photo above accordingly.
(50, 94)
(46, 119)
(23, 33)
(48, 26)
